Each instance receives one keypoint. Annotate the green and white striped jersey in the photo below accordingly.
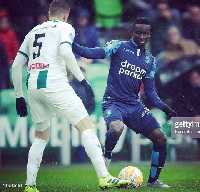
(46, 67)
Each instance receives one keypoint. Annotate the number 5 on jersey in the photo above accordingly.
(37, 44)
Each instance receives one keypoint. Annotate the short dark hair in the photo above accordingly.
(142, 20)
(58, 7)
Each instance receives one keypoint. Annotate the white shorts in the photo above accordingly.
(44, 104)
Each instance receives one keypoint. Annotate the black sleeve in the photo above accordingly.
(149, 89)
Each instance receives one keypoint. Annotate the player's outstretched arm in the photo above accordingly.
(71, 63)
(90, 53)
(149, 88)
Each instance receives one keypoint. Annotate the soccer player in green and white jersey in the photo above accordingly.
(47, 48)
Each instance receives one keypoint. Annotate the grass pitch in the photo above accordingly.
(182, 176)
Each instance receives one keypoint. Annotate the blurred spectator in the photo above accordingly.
(89, 5)
(191, 23)
(128, 13)
(182, 5)
(187, 102)
(22, 15)
(8, 37)
(41, 15)
(176, 48)
(86, 34)
(4, 72)
(87, 100)
(161, 18)
(142, 7)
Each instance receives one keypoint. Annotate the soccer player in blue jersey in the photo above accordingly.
(131, 65)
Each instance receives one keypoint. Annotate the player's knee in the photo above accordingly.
(162, 140)
(116, 128)
(158, 137)
(42, 130)
(40, 127)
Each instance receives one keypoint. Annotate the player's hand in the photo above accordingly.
(88, 87)
(21, 107)
(169, 112)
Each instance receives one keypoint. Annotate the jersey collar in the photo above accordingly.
(143, 51)
(133, 42)
(53, 20)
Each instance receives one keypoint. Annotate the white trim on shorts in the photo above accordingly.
(42, 126)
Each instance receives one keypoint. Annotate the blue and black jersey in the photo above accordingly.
(129, 67)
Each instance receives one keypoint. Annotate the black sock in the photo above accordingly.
(110, 143)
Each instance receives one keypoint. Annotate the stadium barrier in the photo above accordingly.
(66, 137)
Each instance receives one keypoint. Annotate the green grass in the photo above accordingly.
(182, 176)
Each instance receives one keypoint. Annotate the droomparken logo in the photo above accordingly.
(185, 126)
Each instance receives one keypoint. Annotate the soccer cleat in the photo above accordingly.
(28, 188)
(110, 181)
(157, 184)
(107, 162)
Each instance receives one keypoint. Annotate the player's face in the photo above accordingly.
(141, 34)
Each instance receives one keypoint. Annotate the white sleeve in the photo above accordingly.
(24, 50)
(70, 61)
(19, 61)
(67, 34)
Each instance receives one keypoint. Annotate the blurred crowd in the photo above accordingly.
(175, 28)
